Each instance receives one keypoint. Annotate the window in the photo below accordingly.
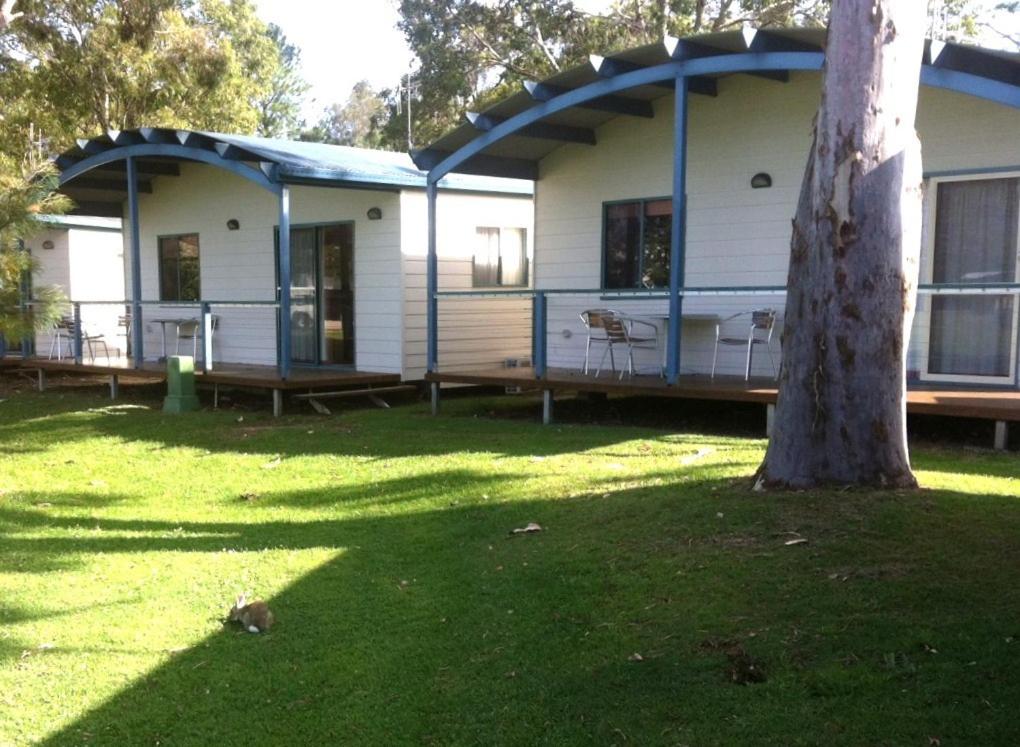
(975, 241)
(500, 257)
(178, 268)
(636, 241)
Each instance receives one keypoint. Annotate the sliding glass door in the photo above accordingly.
(322, 294)
(973, 337)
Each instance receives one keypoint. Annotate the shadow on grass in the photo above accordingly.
(438, 628)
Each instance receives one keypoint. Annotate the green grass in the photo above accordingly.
(406, 615)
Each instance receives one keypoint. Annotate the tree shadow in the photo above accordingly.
(439, 627)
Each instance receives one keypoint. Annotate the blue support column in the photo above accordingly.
(25, 294)
(679, 233)
(77, 335)
(137, 331)
(432, 281)
(285, 351)
(539, 313)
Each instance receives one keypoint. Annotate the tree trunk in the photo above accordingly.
(841, 413)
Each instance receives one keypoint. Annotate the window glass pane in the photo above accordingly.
(975, 242)
(485, 261)
(188, 271)
(622, 245)
(658, 229)
(513, 257)
(168, 269)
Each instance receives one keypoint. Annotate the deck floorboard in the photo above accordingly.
(995, 404)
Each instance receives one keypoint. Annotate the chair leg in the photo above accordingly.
(715, 357)
(602, 360)
(53, 339)
(194, 347)
(772, 360)
(747, 370)
(587, 354)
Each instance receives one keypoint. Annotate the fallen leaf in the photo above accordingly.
(635, 657)
(273, 464)
(798, 541)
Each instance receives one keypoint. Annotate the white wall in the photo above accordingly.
(87, 264)
(735, 235)
(474, 333)
(240, 265)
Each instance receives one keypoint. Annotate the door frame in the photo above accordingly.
(318, 292)
(928, 273)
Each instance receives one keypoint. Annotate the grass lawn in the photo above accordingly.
(408, 615)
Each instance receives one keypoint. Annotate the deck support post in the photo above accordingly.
(41, 380)
(432, 282)
(434, 396)
(277, 403)
(216, 396)
(770, 419)
(77, 334)
(678, 232)
(539, 314)
(1001, 435)
(547, 406)
(114, 386)
(137, 332)
(284, 274)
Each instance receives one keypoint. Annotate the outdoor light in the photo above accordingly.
(375, 213)
(761, 180)
(48, 244)
(233, 224)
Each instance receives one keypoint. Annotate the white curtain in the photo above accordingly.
(975, 242)
(513, 251)
(485, 266)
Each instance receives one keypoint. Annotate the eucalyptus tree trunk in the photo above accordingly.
(841, 413)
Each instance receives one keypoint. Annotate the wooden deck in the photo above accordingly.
(225, 374)
(999, 404)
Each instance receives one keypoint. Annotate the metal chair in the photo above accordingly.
(594, 325)
(62, 331)
(124, 322)
(762, 325)
(192, 330)
(636, 334)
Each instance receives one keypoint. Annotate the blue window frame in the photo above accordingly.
(636, 243)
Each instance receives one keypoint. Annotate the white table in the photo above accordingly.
(656, 319)
(177, 322)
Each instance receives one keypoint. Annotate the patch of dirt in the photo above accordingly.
(742, 668)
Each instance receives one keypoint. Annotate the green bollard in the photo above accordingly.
(180, 385)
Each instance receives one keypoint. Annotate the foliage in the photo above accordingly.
(26, 192)
(357, 122)
(71, 68)
(406, 615)
(280, 106)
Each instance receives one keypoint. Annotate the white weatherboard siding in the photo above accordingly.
(736, 235)
(240, 265)
(87, 264)
(474, 333)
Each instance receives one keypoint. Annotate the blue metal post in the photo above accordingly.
(77, 335)
(25, 293)
(285, 352)
(432, 281)
(137, 348)
(678, 234)
(539, 315)
(206, 336)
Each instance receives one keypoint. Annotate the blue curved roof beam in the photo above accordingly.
(986, 74)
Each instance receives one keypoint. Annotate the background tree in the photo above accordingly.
(358, 122)
(280, 106)
(71, 68)
(841, 413)
(26, 192)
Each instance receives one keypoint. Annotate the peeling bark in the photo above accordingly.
(841, 413)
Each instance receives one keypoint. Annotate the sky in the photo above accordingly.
(344, 41)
